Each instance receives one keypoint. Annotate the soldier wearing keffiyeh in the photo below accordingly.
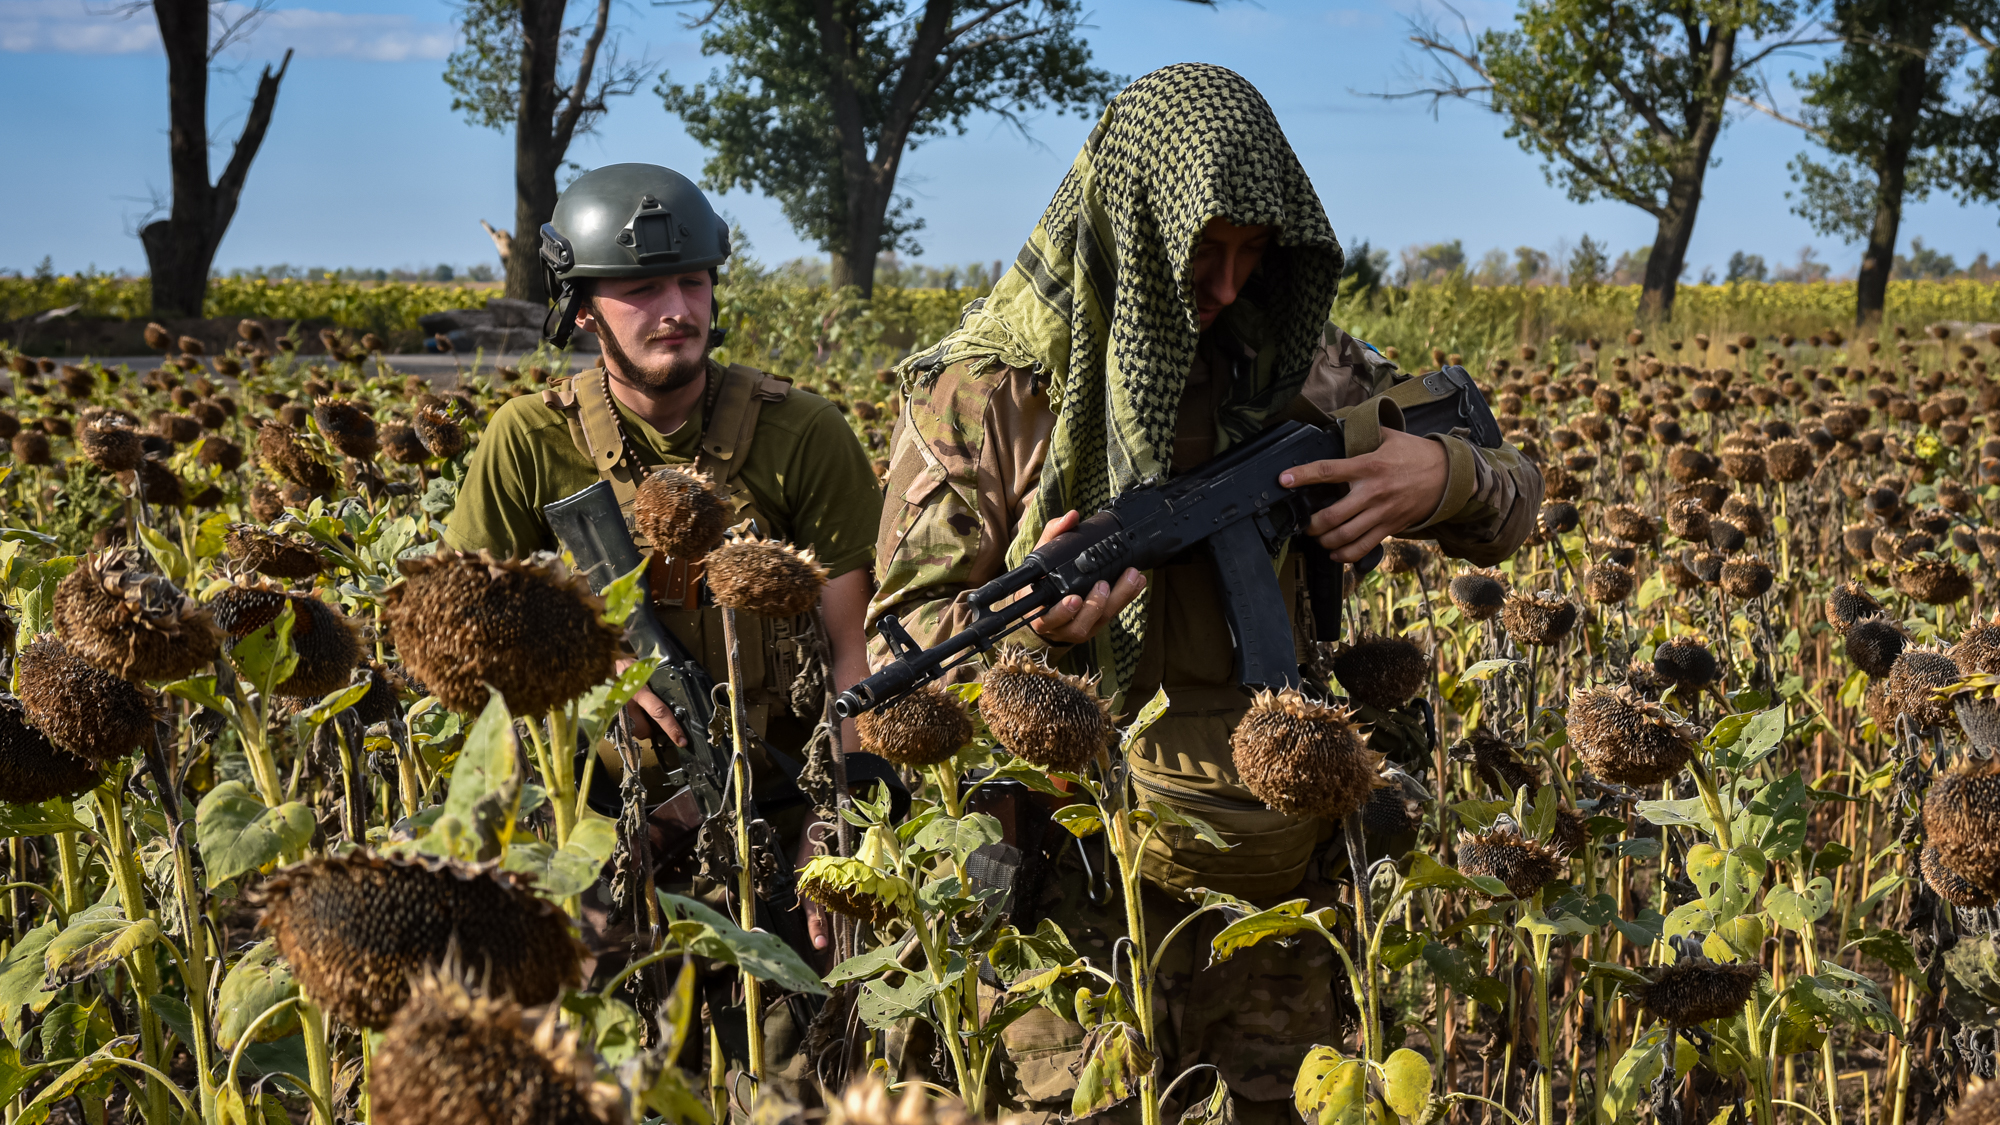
(1171, 302)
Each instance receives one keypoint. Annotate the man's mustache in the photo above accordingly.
(673, 332)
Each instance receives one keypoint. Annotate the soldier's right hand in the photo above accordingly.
(1075, 620)
(646, 713)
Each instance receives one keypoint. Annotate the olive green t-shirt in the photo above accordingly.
(808, 473)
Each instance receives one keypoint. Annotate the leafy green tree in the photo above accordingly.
(1747, 267)
(509, 73)
(1587, 266)
(1622, 99)
(1529, 263)
(1880, 108)
(819, 100)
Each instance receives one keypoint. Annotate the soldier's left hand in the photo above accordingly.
(1388, 491)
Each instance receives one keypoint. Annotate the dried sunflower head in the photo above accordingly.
(1950, 885)
(1695, 990)
(1627, 740)
(1478, 594)
(1380, 670)
(347, 427)
(454, 1053)
(355, 928)
(1688, 520)
(1913, 680)
(1608, 583)
(327, 641)
(114, 613)
(1933, 581)
(1505, 854)
(439, 432)
(1850, 602)
(33, 769)
(284, 451)
(526, 626)
(1630, 523)
(1746, 577)
(1055, 721)
(269, 553)
(1685, 662)
(402, 444)
(1874, 643)
(1498, 761)
(1303, 757)
(85, 711)
(765, 577)
(1788, 460)
(680, 512)
(112, 442)
(923, 728)
(1541, 618)
(1978, 648)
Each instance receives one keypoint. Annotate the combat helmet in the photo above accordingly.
(625, 220)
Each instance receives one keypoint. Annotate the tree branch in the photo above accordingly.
(576, 101)
(914, 84)
(228, 32)
(230, 186)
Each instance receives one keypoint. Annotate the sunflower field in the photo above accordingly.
(297, 828)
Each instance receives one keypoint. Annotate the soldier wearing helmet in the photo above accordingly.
(632, 255)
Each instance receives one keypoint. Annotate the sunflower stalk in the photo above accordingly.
(746, 875)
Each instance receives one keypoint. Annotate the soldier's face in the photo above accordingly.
(654, 329)
(1223, 261)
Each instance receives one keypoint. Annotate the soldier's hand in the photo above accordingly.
(646, 713)
(819, 928)
(1074, 619)
(1388, 491)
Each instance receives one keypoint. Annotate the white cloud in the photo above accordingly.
(78, 27)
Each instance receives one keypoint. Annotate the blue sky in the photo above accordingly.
(367, 165)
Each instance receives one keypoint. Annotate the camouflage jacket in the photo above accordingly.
(968, 451)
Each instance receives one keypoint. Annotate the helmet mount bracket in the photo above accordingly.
(651, 235)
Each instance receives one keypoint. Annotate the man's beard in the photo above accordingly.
(672, 375)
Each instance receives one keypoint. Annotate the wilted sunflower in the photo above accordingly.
(1055, 721)
(402, 444)
(122, 618)
(1789, 460)
(1496, 760)
(347, 427)
(455, 1054)
(1505, 854)
(680, 512)
(862, 887)
(1850, 602)
(1541, 618)
(1303, 757)
(269, 553)
(1746, 577)
(440, 433)
(1978, 648)
(765, 577)
(1962, 821)
(1688, 520)
(33, 769)
(1478, 594)
(527, 627)
(354, 928)
(31, 447)
(83, 710)
(284, 451)
(1608, 583)
(1933, 581)
(1950, 885)
(1685, 663)
(1628, 522)
(1913, 680)
(1874, 643)
(1381, 670)
(923, 728)
(112, 442)
(1627, 740)
(1695, 990)
(327, 641)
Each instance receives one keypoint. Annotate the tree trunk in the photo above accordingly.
(1676, 219)
(1871, 288)
(181, 247)
(537, 156)
(866, 211)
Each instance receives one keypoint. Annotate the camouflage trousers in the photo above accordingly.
(1253, 1017)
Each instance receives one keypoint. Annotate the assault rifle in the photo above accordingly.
(1233, 508)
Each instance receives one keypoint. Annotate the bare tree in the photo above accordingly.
(181, 247)
(509, 73)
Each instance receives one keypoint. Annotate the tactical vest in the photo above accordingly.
(772, 655)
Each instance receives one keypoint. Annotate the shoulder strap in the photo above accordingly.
(725, 441)
(595, 420)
